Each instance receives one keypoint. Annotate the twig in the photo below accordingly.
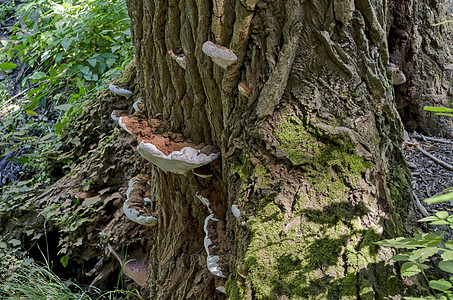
(435, 159)
(420, 206)
(21, 93)
(432, 139)
(14, 97)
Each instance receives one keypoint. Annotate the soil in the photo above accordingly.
(428, 177)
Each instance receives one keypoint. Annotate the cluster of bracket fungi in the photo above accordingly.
(173, 153)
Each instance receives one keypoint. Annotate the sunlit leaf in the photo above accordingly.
(442, 214)
(66, 44)
(64, 261)
(438, 199)
(438, 108)
(30, 112)
(446, 265)
(411, 268)
(7, 66)
(64, 107)
(440, 285)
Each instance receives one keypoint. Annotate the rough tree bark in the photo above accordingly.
(311, 158)
(422, 50)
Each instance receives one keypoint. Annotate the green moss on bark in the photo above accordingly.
(322, 250)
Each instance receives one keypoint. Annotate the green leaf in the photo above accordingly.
(14, 242)
(438, 108)
(446, 265)
(443, 114)
(447, 255)
(64, 107)
(52, 72)
(400, 257)
(7, 66)
(85, 70)
(30, 112)
(441, 198)
(440, 285)
(430, 218)
(37, 75)
(92, 62)
(423, 253)
(449, 244)
(419, 241)
(64, 260)
(412, 268)
(440, 222)
(442, 214)
(66, 44)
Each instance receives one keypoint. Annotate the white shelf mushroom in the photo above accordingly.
(178, 162)
(180, 59)
(398, 76)
(135, 197)
(220, 55)
(211, 261)
(119, 91)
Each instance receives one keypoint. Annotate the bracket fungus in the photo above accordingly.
(220, 55)
(164, 152)
(202, 173)
(137, 196)
(138, 106)
(235, 210)
(119, 91)
(176, 157)
(205, 201)
(243, 89)
(398, 76)
(212, 261)
(179, 58)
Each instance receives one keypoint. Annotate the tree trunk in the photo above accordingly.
(421, 49)
(311, 156)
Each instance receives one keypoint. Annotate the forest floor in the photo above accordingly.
(429, 177)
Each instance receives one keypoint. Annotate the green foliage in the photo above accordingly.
(74, 48)
(7, 66)
(423, 246)
(25, 279)
(6, 10)
(440, 111)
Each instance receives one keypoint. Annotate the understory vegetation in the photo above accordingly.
(57, 58)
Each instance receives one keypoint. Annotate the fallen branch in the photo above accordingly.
(435, 159)
(420, 206)
(432, 139)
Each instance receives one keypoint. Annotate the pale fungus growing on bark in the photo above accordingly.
(179, 58)
(134, 207)
(138, 106)
(205, 201)
(398, 76)
(199, 172)
(243, 89)
(235, 210)
(212, 260)
(159, 149)
(220, 55)
(119, 91)
(177, 161)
